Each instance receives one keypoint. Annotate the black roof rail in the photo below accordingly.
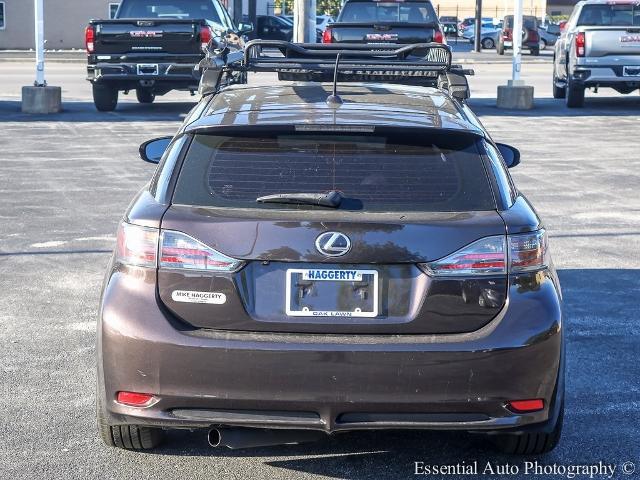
(426, 64)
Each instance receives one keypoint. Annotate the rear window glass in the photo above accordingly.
(527, 22)
(367, 12)
(180, 9)
(620, 14)
(372, 172)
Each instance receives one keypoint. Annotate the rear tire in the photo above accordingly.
(128, 437)
(144, 95)
(500, 49)
(105, 97)
(531, 443)
(535, 52)
(558, 92)
(488, 43)
(574, 95)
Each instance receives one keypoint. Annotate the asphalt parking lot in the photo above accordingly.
(66, 179)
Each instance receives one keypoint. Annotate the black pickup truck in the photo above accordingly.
(153, 47)
(394, 21)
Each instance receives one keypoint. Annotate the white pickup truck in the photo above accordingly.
(599, 47)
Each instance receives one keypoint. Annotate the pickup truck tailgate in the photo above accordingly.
(138, 36)
(382, 33)
(605, 41)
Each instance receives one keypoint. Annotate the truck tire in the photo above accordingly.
(532, 443)
(535, 51)
(144, 95)
(128, 437)
(500, 48)
(558, 92)
(574, 95)
(105, 97)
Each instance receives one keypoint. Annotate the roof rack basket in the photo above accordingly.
(425, 64)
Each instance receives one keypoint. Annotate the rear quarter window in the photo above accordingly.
(375, 173)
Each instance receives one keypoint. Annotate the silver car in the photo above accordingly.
(599, 47)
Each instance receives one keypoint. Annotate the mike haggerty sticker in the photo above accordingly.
(189, 296)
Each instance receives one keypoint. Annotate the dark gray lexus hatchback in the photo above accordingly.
(307, 261)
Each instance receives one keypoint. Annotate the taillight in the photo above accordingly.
(135, 399)
(486, 256)
(326, 36)
(205, 36)
(506, 34)
(528, 251)
(438, 36)
(494, 256)
(179, 250)
(581, 44)
(137, 245)
(89, 39)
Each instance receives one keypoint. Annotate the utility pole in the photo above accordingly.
(304, 21)
(516, 95)
(38, 10)
(477, 34)
(39, 97)
(517, 41)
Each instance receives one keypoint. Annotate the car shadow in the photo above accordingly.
(80, 111)
(622, 105)
(601, 403)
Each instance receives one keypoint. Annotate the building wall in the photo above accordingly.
(490, 8)
(64, 22)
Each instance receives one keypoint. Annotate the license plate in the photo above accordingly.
(148, 69)
(328, 292)
(631, 71)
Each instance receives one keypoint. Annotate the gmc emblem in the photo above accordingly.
(146, 33)
(385, 37)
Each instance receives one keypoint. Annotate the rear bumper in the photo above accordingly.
(605, 75)
(329, 382)
(130, 75)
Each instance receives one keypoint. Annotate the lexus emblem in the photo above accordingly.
(333, 244)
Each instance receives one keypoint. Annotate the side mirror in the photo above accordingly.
(511, 155)
(244, 28)
(152, 150)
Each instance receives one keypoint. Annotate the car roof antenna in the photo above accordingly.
(334, 100)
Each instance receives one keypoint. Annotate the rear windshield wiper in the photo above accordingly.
(330, 199)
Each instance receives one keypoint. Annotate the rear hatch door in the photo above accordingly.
(406, 201)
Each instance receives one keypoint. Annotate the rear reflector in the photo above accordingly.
(326, 36)
(134, 399)
(523, 406)
(179, 250)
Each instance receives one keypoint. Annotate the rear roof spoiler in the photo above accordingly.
(424, 64)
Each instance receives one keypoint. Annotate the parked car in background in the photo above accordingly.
(322, 21)
(530, 36)
(153, 47)
(599, 47)
(467, 22)
(488, 35)
(548, 35)
(273, 27)
(449, 28)
(373, 21)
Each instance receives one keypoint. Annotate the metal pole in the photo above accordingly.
(478, 27)
(38, 10)
(517, 41)
(304, 21)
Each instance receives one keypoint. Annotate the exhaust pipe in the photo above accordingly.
(240, 437)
